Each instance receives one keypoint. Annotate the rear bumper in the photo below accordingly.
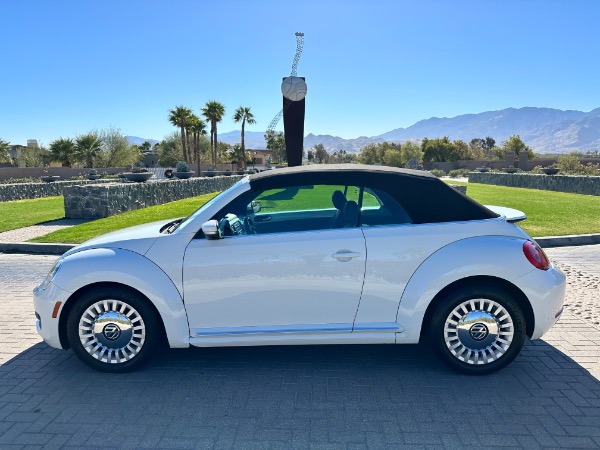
(545, 290)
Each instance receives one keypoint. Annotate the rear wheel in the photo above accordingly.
(113, 330)
(478, 330)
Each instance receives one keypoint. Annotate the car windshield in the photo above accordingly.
(200, 210)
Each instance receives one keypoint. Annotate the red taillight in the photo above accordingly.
(536, 256)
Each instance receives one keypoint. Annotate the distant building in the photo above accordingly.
(32, 143)
(259, 157)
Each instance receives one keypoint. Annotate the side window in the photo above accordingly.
(292, 209)
(380, 208)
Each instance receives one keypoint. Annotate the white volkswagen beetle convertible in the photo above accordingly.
(323, 254)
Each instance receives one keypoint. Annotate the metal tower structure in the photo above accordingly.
(299, 48)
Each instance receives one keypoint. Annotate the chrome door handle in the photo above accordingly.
(345, 255)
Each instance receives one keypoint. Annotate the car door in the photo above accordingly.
(306, 280)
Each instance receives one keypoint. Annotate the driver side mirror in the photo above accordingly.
(210, 228)
(256, 206)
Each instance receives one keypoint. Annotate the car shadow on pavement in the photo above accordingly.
(352, 395)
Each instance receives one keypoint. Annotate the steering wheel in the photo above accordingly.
(231, 225)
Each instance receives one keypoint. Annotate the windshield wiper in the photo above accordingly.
(171, 226)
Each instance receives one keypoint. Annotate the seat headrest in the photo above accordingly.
(350, 214)
(338, 199)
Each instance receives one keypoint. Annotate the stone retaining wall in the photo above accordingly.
(559, 183)
(24, 191)
(98, 201)
(63, 172)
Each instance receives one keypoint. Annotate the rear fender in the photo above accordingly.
(493, 256)
(113, 265)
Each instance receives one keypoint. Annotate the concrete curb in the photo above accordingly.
(28, 247)
(59, 249)
(568, 241)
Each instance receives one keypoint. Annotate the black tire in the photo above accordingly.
(126, 327)
(483, 335)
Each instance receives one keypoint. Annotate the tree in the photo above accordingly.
(33, 157)
(341, 157)
(461, 149)
(441, 150)
(410, 152)
(180, 117)
(321, 155)
(198, 129)
(393, 158)
(63, 151)
(482, 148)
(145, 146)
(170, 150)
(224, 152)
(243, 114)
(276, 144)
(87, 148)
(371, 154)
(513, 144)
(116, 150)
(213, 111)
(4, 156)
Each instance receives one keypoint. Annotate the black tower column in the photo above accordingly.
(293, 126)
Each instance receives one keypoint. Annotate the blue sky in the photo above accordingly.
(371, 66)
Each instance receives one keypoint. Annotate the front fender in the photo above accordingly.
(115, 265)
(494, 256)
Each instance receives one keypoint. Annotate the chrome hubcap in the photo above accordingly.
(478, 331)
(112, 331)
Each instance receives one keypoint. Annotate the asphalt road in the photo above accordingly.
(301, 397)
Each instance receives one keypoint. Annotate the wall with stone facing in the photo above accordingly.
(24, 191)
(497, 164)
(560, 183)
(63, 172)
(98, 201)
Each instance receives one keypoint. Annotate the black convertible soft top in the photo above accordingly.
(425, 198)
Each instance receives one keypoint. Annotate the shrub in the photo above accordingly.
(459, 173)
(537, 170)
(20, 180)
(570, 165)
(182, 166)
(437, 173)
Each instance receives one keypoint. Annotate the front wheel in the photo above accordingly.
(113, 330)
(478, 330)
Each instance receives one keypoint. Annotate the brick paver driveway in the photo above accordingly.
(301, 397)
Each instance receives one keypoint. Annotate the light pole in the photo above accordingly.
(253, 159)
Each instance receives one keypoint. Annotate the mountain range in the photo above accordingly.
(546, 130)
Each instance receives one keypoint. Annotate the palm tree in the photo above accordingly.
(198, 129)
(244, 115)
(189, 125)
(87, 148)
(63, 151)
(214, 112)
(180, 117)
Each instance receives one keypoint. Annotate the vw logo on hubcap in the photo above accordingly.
(111, 332)
(479, 331)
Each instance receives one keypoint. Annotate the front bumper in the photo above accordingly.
(545, 290)
(44, 302)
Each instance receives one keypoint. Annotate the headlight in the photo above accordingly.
(55, 268)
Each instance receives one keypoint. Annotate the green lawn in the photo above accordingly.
(549, 213)
(307, 197)
(89, 230)
(24, 213)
